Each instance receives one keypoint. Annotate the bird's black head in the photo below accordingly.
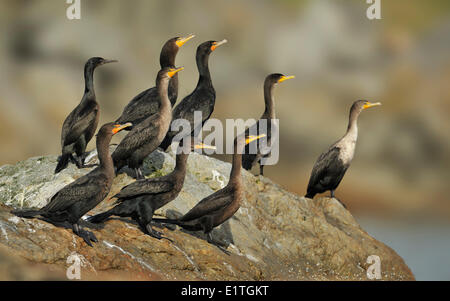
(209, 46)
(360, 105)
(98, 61)
(276, 78)
(170, 49)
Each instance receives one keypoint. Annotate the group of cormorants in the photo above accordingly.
(148, 118)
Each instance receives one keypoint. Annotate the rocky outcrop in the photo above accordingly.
(275, 235)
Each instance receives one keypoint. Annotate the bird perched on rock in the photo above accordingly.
(81, 124)
(217, 208)
(145, 137)
(140, 199)
(68, 205)
(332, 164)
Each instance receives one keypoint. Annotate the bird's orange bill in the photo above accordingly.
(173, 71)
(283, 78)
(250, 139)
(109, 61)
(119, 127)
(181, 41)
(370, 104)
(218, 44)
(203, 146)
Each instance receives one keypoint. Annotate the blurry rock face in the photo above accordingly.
(276, 235)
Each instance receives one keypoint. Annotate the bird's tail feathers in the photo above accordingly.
(63, 162)
(26, 213)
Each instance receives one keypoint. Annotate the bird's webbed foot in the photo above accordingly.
(153, 233)
(222, 246)
(87, 236)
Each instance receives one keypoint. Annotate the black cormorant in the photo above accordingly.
(68, 205)
(217, 208)
(140, 199)
(145, 137)
(79, 127)
(331, 166)
(202, 98)
(263, 125)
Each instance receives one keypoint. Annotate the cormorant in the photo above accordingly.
(145, 137)
(68, 205)
(331, 166)
(264, 124)
(79, 127)
(217, 208)
(202, 98)
(140, 199)
(146, 103)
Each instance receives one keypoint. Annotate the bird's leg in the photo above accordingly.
(332, 196)
(85, 235)
(218, 244)
(139, 175)
(261, 169)
(153, 233)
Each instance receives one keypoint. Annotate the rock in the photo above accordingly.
(275, 235)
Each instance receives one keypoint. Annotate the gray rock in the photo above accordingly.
(275, 235)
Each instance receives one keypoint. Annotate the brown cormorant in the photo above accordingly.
(264, 124)
(145, 137)
(146, 103)
(331, 166)
(72, 202)
(217, 208)
(140, 199)
(202, 98)
(79, 127)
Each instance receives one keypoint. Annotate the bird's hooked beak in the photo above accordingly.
(283, 78)
(218, 44)
(203, 146)
(370, 104)
(109, 61)
(250, 139)
(181, 41)
(173, 71)
(119, 127)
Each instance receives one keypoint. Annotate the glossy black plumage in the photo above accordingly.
(202, 99)
(145, 137)
(330, 167)
(69, 204)
(140, 199)
(79, 127)
(265, 125)
(147, 102)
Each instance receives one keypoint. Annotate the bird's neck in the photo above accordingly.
(181, 163)
(269, 100)
(352, 129)
(106, 162)
(167, 60)
(164, 102)
(203, 70)
(89, 80)
(235, 175)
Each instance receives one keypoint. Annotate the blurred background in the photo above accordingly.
(398, 184)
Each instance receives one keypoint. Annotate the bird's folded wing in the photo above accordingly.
(149, 186)
(78, 122)
(209, 205)
(84, 188)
